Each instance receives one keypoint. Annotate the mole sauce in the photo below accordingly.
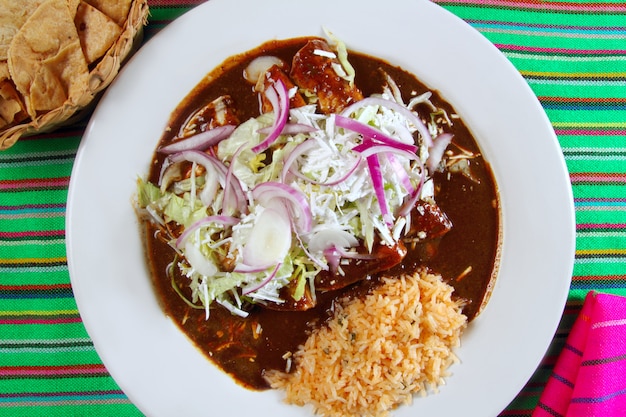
(246, 347)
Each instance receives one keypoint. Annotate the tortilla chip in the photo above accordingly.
(13, 14)
(117, 10)
(45, 78)
(97, 32)
(46, 60)
(4, 71)
(72, 6)
(11, 106)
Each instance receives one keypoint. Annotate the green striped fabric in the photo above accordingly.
(573, 56)
(48, 365)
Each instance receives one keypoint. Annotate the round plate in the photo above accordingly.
(155, 364)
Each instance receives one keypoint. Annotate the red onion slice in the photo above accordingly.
(379, 187)
(400, 172)
(413, 197)
(199, 158)
(210, 163)
(436, 151)
(324, 239)
(212, 181)
(268, 193)
(221, 220)
(369, 148)
(214, 169)
(370, 132)
(169, 173)
(263, 283)
(278, 96)
(200, 141)
(259, 67)
(333, 256)
(295, 153)
(399, 108)
(234, 197)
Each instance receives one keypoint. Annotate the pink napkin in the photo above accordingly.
(589, 377)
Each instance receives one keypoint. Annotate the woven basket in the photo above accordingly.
(99, 78)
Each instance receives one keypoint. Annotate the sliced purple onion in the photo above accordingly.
(210, 163)
(373, 165)
(169, 173)
(399, 108)
(369, 148)
(214, 169)
(295, 153)
(323, 239)
(436, 151)
(356, 255)
(266, 280)
(199, 158)
(334, 255)
(198, 261)
(200, 141)
(212, 181)
(314, 259)
(400, 172)
(278, 96)
(408, 205)
(268, 193)
(372, 133)
(234, 196)
(221, 220)
(259, 66)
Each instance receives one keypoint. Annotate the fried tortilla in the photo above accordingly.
(96, 31)
(56, 56)
(13, 14)
(46, 60)
(117, 10)
(11, 106)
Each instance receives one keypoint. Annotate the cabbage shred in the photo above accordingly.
(334, 180)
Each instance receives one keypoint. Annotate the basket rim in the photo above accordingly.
(100, 77)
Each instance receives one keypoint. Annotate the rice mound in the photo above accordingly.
(377, 352)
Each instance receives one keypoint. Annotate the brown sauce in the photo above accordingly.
(235, 344)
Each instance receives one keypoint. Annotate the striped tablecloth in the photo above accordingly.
(572, 54)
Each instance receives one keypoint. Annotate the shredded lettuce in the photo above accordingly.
(342, 56)
(146, 193)
(242, 140)
(347, 206)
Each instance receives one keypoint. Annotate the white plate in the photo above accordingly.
(155, 364)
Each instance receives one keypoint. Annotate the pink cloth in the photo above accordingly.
(589, 377)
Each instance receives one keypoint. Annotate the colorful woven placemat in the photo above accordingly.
(573, 56)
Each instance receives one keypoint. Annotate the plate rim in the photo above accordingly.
(179, 24)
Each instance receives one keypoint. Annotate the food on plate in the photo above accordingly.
(347, 369)
(300, 180)
(56, 55)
